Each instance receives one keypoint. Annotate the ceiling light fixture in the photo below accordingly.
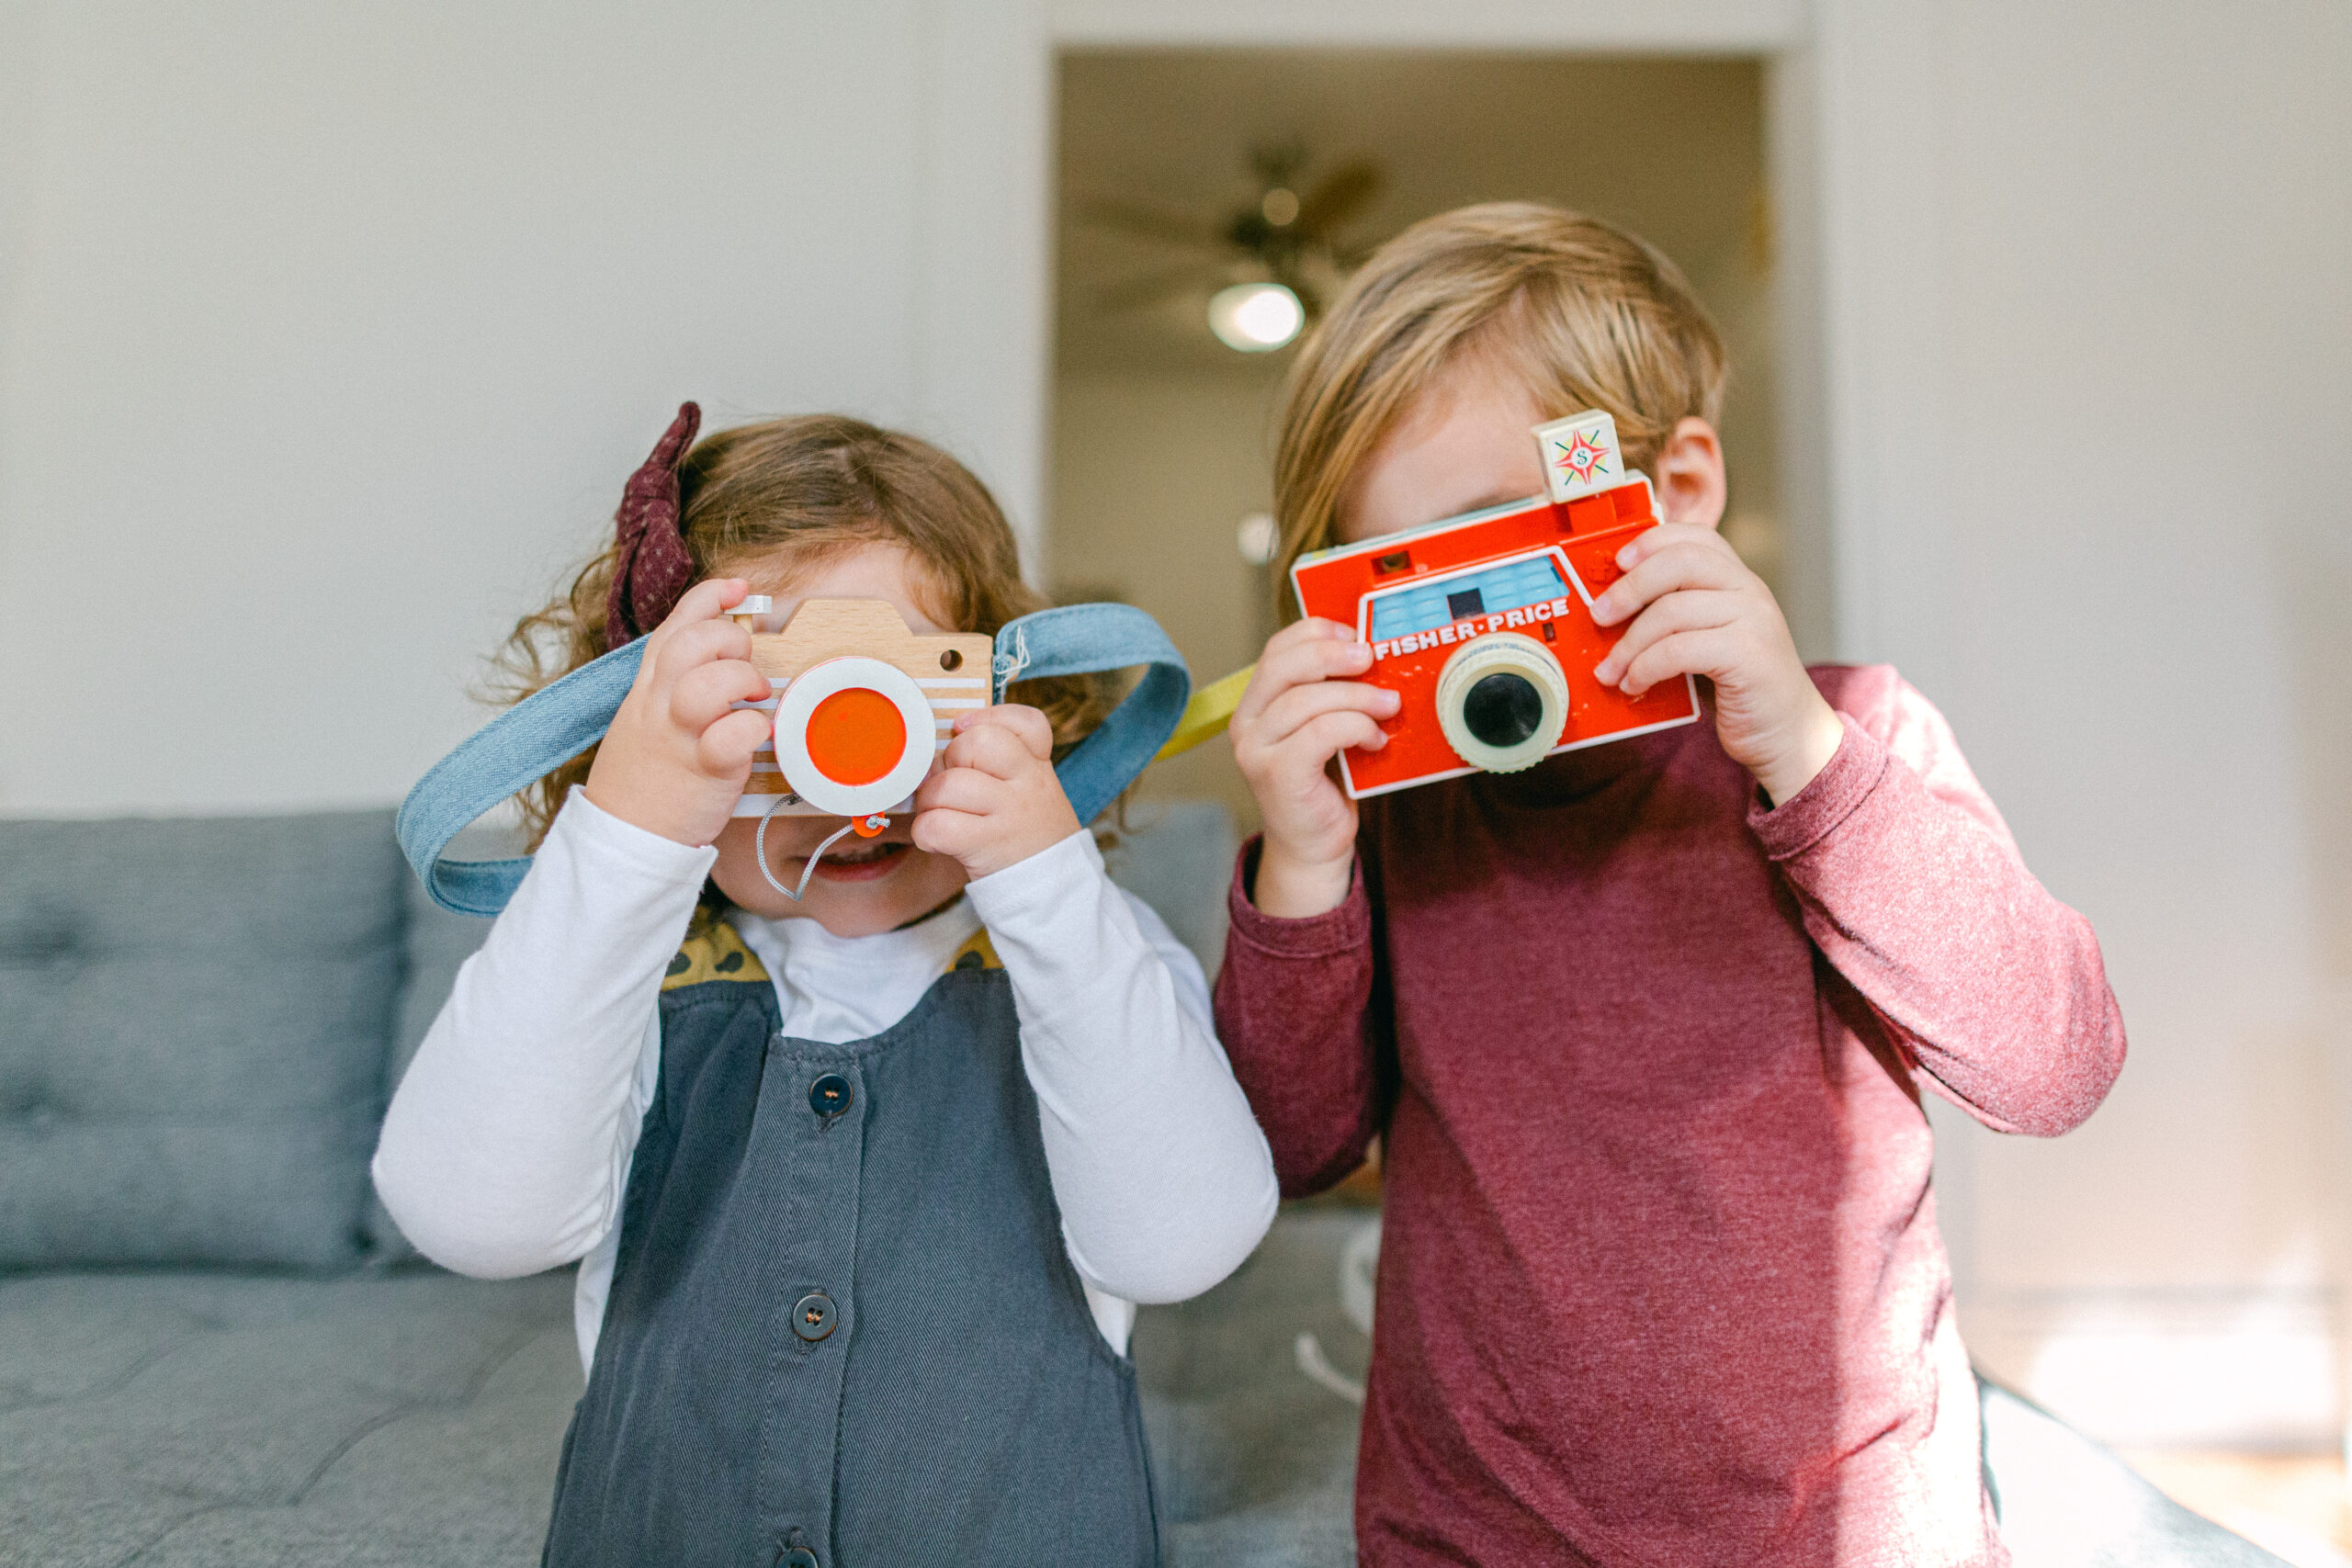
(1255, 317)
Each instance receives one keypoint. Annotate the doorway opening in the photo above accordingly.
(1178, 169)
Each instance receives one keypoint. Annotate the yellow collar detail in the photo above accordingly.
(712, 950)
(977, 953)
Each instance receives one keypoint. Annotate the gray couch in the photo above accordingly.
(215, 1350)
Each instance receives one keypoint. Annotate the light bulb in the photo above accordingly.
(1256, 537)
(1255, 317)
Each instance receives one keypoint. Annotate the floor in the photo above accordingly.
(2296, 1506)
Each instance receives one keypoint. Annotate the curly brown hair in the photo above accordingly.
(802, 492)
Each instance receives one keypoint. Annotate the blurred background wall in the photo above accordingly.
(328, 335)
(327, 338)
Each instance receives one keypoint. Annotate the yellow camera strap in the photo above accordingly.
(1208, 713)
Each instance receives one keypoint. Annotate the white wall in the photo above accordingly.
(2089, 400)
(1152, 474)
(327, 333)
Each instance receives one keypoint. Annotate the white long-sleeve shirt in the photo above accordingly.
(507, 1146)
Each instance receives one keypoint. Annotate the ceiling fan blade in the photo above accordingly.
(1338, 197)
(1150, 289)
(1151, 222)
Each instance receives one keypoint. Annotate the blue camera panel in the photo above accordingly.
(1510, 585)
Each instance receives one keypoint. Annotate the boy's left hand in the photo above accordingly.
(995, 800)
(1697, 610)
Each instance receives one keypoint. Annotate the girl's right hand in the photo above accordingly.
(1300, 710)
(679, 751)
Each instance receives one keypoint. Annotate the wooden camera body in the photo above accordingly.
(859, 705)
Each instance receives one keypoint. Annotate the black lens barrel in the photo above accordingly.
(1502, 709)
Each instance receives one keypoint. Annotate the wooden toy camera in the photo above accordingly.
(1484, 621)
(861, 706)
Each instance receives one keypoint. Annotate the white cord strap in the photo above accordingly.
(872, 824)
(1009, 666)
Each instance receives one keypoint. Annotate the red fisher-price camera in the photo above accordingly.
(1484, 621)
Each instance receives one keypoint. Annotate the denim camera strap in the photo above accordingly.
(526, 742)
(1083, 640)
(557, 723)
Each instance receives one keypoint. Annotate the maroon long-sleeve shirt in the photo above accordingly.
(1660, 1281)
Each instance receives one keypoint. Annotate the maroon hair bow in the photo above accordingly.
(654, 566)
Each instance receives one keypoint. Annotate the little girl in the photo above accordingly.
(1642, 1027)
(863, 1188)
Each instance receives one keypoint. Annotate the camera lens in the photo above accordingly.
(1502, 702)
(1502, 709)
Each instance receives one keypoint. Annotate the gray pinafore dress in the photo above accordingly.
(844, 1330)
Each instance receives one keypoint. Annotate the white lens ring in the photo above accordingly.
(1502, 653)
(811, 687)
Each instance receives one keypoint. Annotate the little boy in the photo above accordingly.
(1642, 1027)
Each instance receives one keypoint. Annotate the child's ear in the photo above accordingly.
(1689, 473)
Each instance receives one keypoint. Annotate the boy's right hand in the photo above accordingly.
(1303, 708)
(679, 751)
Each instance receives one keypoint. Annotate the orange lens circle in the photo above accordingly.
(856, 736)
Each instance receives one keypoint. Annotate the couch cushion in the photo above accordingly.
(1253, 1461)
(195, 1420)
(186, 1419)
(1177, 856)
(434, 944)
(194, 1016)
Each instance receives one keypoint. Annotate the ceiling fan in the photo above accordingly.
(1272, 261)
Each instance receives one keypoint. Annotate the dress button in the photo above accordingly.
(798, 1557)
(812, 1316)
(830, 1095)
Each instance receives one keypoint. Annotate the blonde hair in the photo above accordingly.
(1582, 314)
(811, 487)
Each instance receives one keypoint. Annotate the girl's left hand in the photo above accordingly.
(995, 800)
(1701, 611)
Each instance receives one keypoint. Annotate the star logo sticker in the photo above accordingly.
(1580, 455)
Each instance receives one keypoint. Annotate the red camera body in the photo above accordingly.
(1483, 623)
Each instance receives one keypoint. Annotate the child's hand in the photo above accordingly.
(679, 751)
(995, 800)
(1300, 710)
(1701, 611)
